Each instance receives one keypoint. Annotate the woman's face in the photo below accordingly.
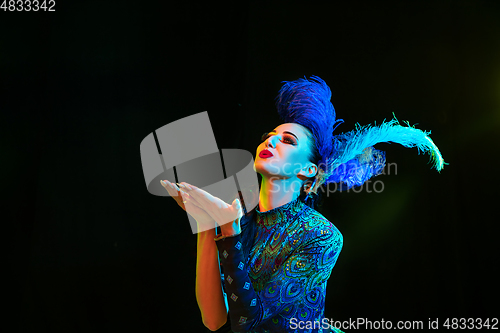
(285, 153)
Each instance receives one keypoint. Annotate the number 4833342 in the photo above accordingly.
(28, 5)
(471, 323)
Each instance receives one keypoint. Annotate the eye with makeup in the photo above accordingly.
(286, 138)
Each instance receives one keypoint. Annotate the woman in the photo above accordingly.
(276, 260)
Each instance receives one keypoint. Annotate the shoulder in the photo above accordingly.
(318, 227)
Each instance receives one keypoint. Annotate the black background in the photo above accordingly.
(90, 250)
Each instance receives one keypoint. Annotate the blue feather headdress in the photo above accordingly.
(307, 102)
(348, 158)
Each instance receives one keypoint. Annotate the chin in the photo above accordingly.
(260, 167)
(265, 169)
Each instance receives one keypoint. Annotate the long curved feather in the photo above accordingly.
(350, 146)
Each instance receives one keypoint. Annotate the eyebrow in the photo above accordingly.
(274, 130)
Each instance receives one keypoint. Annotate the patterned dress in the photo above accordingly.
(281, 285)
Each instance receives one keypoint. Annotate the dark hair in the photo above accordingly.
(307, 102)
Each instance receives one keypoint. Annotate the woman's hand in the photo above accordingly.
(203, 219)
(227, 216)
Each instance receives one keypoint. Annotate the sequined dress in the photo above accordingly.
(281, 285)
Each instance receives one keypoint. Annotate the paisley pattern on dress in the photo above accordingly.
(292, 261)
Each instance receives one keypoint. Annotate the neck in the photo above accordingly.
(278, 192)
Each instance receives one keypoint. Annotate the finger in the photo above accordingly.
(184, 186)
(183, 200)
(186, 197)
(174, 185)
(192, 200)
(166, 183)
(176, 193)
(187, 187)
(191, 205)
(168, 186)
(200, 195)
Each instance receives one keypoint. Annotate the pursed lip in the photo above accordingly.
(265, 154)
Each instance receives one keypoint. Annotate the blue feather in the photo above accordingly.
(348, 158)
(307, 102)
(354, 160)
(358, 170)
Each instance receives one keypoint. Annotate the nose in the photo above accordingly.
(271, 141)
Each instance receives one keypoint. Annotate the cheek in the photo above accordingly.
(297, 157)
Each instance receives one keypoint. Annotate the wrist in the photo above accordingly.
(205, 226)
(210, 233)
(229, 230)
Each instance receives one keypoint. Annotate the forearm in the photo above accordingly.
(244, 303)
(209, 294)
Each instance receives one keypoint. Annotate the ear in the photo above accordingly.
(308, 171)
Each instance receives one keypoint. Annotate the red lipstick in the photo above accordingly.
(265, 154)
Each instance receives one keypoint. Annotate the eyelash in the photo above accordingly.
(285, 138)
